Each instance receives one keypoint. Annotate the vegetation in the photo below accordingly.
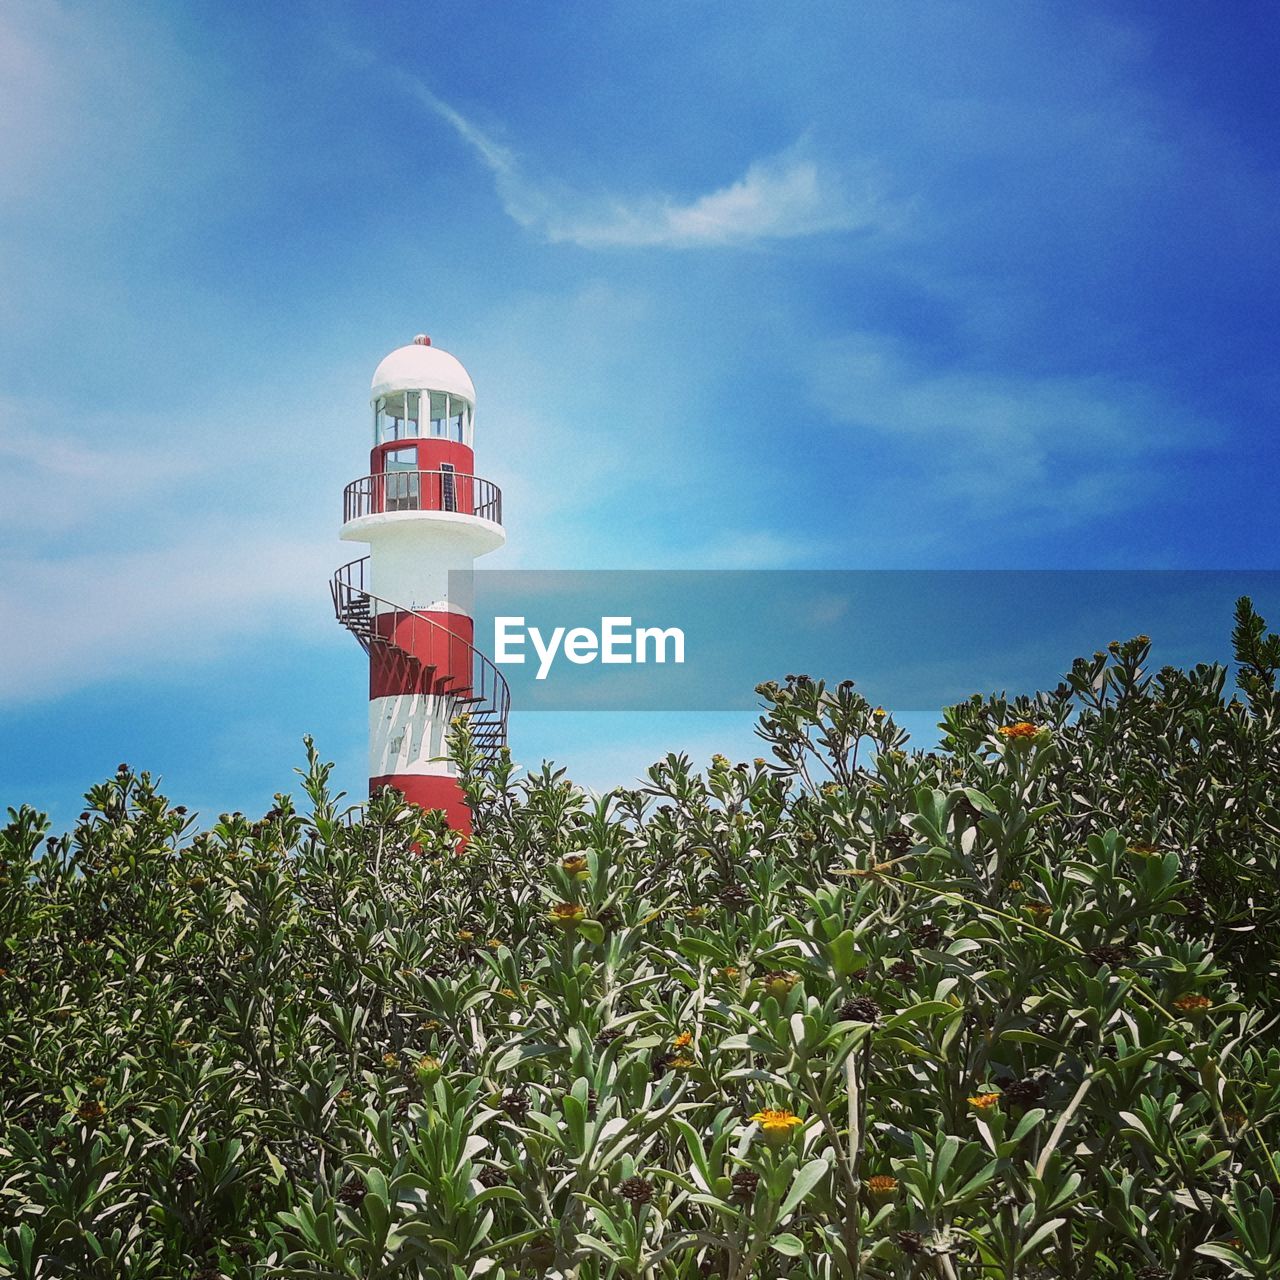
(1004, 1009)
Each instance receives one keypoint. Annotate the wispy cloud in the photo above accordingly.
(1073, 445)
(783, 196)
(107, 614)
(63, 480)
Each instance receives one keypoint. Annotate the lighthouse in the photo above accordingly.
(425, 515)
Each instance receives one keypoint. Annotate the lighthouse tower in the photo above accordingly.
(424, 513)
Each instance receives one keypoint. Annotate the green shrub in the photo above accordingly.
(1004, 1009)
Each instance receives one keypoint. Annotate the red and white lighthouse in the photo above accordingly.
(425, 515)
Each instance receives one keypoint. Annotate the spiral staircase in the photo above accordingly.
(486, 700)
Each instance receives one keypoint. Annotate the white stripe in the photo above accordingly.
(406, 735)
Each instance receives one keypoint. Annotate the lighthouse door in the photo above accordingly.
(400, 475)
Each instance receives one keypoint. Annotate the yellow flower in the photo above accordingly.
(1192, 1006)
(730, 973)
(427, 1070)
(390, 1061)
(680, 1063)
(575, 865)
(465, 935)
(494, 943)
(431, 1024)
(882, 1186)
(695, 915)
(567, 915)
(683, 1040)
(1038, 911)
(777, 1124)
(985, 1101)
(99, 1082)
(1023, 729)
(879, 713)
(1015, 886)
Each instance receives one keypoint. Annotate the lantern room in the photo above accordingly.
(423, 408)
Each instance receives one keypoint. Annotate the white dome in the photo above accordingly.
(421, 367)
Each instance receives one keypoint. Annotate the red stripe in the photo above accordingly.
(437, 651)
(432, 791)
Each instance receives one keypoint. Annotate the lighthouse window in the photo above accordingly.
(398, 417)
(457, 410)
(439, 412)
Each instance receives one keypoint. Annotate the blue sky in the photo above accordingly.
(751, 286)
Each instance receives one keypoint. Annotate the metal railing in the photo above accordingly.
(445, 660)
(439, 490)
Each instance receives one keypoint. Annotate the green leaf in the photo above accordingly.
(920, 1012)
(804, 1182)
(525, 1053)
(786, 1244)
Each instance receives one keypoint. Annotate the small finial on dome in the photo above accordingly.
(421, 340)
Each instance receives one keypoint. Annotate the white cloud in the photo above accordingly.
(108, 614)
(1023, 442)
(752, 549)
(793, 193)
(61, 479)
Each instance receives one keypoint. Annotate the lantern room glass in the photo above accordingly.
(410, 415)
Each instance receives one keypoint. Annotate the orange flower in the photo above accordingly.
(985, 1101)
(1192, 1006)
(776, 1124)
(683, 1040)
(882, 1186)
(567, 915)
(575, 865)
(1023, 729)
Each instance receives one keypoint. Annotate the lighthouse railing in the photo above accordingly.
(438, 490)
